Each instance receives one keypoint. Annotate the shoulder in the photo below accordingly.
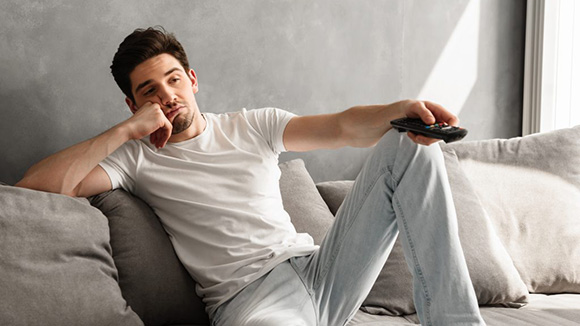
(268, 116)
(258, 113)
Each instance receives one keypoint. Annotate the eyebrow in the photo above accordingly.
(149, 81)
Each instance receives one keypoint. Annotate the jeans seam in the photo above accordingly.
(416, 264)
(308, 289)
(330, 262)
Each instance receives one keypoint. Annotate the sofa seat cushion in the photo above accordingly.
(530, 188)
(55, 263)
(362, 318)
(542, 310)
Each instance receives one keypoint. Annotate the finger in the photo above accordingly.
(422, 112)
(164, 138)
(422, 140)
(168, 131)
(441, 114)
(165, 134)
(159, 138)
(153, 139)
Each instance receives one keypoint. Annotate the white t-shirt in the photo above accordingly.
(218, 197)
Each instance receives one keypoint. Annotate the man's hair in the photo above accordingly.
(139, 46)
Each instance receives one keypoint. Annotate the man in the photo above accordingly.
(213, 181)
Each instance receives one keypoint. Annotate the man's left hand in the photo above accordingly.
(429, 113)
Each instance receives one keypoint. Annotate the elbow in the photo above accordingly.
(24, 183)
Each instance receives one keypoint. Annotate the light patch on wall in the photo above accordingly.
(454, 75)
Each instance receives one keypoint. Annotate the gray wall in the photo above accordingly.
(304, 56)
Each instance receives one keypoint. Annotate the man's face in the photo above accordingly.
(163, 80)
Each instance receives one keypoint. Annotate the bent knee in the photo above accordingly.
(398, 148)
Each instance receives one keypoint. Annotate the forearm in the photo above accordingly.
(363, 126)
(360, 126)
(62, 172)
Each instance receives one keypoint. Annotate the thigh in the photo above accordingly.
(342, 272)
(277, 299)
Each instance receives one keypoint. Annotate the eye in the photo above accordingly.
(148, 91)
(175, 79)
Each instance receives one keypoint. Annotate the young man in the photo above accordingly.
(213, 181)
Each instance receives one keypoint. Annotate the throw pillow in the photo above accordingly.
(152, 279)
(334, 192)
(56, 264)
(308, 211)
(493, 274)
(530, 187)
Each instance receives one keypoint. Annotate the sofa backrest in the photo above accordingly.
(530, 188)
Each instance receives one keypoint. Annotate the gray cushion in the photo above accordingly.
(493, 274)
(55, 263)
(334, 192)
(308, 211)
(152, 280)
(530, 187)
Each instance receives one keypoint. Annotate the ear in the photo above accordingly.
(193, 79)
(131, 105)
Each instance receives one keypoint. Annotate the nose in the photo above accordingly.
(166, 96)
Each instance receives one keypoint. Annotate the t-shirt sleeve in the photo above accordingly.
(121, 166)
(270, 124)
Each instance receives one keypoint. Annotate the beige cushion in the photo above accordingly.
(495, 279)
(530, 187)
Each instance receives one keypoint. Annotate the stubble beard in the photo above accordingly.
(182, 123)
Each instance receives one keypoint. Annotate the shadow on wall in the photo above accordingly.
(479, 73)
(494, 106)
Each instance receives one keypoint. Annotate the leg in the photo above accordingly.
(403, 186)
(279, 298)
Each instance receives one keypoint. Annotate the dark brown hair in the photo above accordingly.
(139, 46)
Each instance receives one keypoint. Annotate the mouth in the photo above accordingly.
(171, 114)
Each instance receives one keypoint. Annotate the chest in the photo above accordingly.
(230, 171)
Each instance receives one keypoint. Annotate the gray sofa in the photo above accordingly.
(107, 260)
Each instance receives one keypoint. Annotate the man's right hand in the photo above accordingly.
(149, 120)
(74, 171)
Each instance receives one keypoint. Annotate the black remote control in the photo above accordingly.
(440, 130)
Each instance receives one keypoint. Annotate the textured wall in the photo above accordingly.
(304, 56)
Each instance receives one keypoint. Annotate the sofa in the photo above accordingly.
(107, 260)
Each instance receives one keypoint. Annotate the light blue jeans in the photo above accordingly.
(402, 189)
